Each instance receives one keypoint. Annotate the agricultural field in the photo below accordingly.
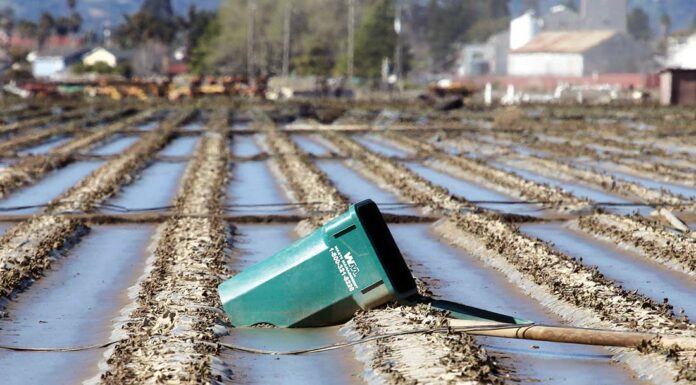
(119, 221)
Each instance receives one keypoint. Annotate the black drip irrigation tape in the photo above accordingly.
(317, 349)
(290, 206)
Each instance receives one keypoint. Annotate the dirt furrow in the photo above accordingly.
(36, 137)
(582, 294)
(29, 169)
(306, 182)
(447, 357)
(632, 160)
(453, 358)
(393, 172)
(16, 113)
(558, 169)
(650, 240)
(492, 177)
(28, 248)
(20, 126)
(171, 334)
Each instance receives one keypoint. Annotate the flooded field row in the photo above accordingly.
(510, 238)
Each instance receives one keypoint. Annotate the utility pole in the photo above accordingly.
(251, 8)
(398, 59)
(286, 39)
(351, 40)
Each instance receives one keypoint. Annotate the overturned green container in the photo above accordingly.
(350, 263)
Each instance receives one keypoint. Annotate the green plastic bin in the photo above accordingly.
(350, 263)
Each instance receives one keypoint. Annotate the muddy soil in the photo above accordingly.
(497, 179)
(546, 267)
(30, 169)
(54, 312)
(27, 249)
(171, 333)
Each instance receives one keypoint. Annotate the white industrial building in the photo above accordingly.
(681, 52)
(578, 53)
(110, 57)
(489, 58)
(580, 48)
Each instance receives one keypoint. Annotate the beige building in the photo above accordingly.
(578, 53)
(103, 55)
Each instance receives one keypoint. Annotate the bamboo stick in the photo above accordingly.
(573, 335)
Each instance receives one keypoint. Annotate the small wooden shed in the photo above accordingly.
(678, 87)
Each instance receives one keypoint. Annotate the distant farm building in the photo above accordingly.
(678, 86)
(54, 62)
(109, 57)
(681, 52)
(578, 53)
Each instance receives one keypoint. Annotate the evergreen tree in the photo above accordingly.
(375, 39)
(161, 9)
(45, 27)
(639, 24)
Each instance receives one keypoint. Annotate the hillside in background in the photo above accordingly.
(95, 13)
(681, 12)
(98, 12)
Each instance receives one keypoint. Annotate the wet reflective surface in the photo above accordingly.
(255, 243)
(245, 146)
(148, 126)
(628, 270)
(156, 187)
(380, 147)
(116, 146)
(674, 188)
(45, 147)
(474, 192)
(253, 190)
(193, 126)
(310, 145)
(73, 305)
(47, 188)
(357, 188)
(182, 146)
(453, 275)
(579, 190)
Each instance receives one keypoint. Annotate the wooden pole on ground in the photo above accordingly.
(572, 335)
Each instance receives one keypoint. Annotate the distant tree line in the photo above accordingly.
(46, 26)
(432, 29)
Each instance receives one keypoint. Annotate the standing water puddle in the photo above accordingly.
(193, 126)
(155, 187)
(310, 145)
(474, 192)
(48, 188)
(182, 146)
(254, 244)
(381, 147)
(241, 124)
(253, 190)
(4, 226)
(686, 191)
(245, 146)
(579, 190)
(73, 305)
(148, 126)
(458, 277)
(45, 147)
(357, 188)
(630, 271)
(116, 146)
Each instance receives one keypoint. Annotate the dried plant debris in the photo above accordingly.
(420, 358)
(27, 249)
(171, 335)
